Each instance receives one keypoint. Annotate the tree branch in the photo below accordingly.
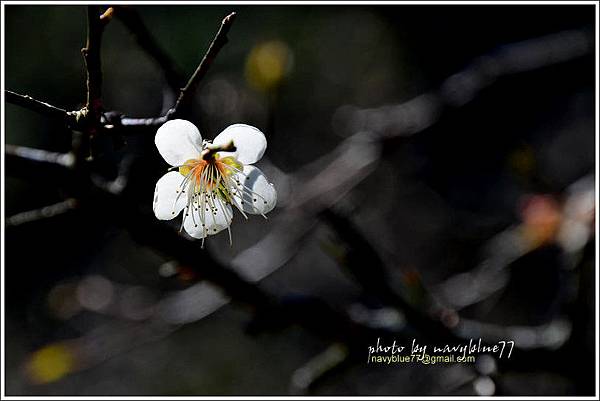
(134, 23)
(38, 106)
(91, 56)
(218, 42)
(185, 95)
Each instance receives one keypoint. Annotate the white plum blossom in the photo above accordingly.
(208, 178)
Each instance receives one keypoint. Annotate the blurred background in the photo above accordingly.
(435, 172)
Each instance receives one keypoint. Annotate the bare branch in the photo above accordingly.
(134, 23)
(31, 216)
(91, 56)
(38, 106)
(218, 42)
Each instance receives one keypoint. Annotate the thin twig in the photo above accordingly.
(185, 95)
(218, 42)
(134, 23)
(39, 106)
(92, 117)
(91, 56)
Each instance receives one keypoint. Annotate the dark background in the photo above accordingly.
(433, 202)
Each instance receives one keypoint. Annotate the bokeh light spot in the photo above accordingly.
(50, 363)
(267, 64)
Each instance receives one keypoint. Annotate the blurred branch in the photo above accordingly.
(132, 122)
(305, 377)
(134, 23)
(343, 168)
(117, 185)
(111, 339)
(173, 244)
(492, 274)
(550, 335)
(339, 172)
(333, 175)
(31, 216)
(489, 276)
(39, 165)
(363, 261)
(218, 42)
(39, 156)
(419, 113)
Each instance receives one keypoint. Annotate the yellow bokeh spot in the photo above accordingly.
(50, 363)
(267, 64)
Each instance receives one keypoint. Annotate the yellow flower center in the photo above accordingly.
(210, 175)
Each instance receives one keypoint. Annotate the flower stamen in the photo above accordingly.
(213, 179)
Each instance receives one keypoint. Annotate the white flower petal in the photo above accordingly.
(259, 196)
(249, 141)
(202, 223)
(178, 141)
(167, 202)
